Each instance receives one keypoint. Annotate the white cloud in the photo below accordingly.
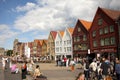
(46, 15)
(27, 7)
(5, 34)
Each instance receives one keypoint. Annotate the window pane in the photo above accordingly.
(84, 38)
(112, 40)
(107, 41)
(94, 44)
(100, 21)
(106, 30)
(78, 38)
(79, 29)
(111, 28)
(102, 42)
(94, 33)
(101, 31)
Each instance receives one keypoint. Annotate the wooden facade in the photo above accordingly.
(104, 32)
(80, 38)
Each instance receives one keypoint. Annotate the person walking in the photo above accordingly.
(117, 69)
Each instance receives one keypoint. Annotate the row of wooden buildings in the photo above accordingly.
(96, 37)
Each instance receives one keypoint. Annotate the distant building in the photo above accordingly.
(2, 51)
(51, 44)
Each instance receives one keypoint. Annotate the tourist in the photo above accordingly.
(81, 76)
(72, 64)
(37, 72)
(117, 69)
(14, 67)
(3, 63)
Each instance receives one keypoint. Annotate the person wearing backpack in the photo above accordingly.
(105, 67)
(117, 69)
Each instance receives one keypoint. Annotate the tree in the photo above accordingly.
(9, 52)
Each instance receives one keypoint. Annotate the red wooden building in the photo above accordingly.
(104, 32)
(80, 38)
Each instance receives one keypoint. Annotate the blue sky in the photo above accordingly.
(27, 20)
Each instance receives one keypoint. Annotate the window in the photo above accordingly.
(68, 49)
(64, 42)
(106, 30)
(94, 33)
(84, 47)
(111, 28)
(102, 42)
(65, 49)
(84, 38)
(112, 40)
(75, 39)
(107, 41)
(101, 31)
(79, 29)
(68, 41)
(78, 38)
(100, 21)
(75, 47)
(94, 43)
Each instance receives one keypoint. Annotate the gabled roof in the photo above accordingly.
(41, 42)
(70, 30)
(54, 33)
(44, 41)
(61, 33)
(86, 24)
(114, 14)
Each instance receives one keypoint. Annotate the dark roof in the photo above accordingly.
(113, 14)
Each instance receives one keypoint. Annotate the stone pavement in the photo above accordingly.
(53, 72)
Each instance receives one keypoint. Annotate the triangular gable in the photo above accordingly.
(86, 24)
(70, 30)
(61, 33)
(54, 33)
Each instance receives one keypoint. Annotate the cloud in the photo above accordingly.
(5, 34)
(46, 15)
(27, 7)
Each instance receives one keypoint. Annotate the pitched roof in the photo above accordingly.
(54, 33)
(114, 14)
(71, 30)
(86, 24)
(61, 33)
(41, 42)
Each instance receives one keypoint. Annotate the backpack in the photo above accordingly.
(87, 65)
(117, 68)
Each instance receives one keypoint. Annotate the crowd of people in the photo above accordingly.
(101, 68)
